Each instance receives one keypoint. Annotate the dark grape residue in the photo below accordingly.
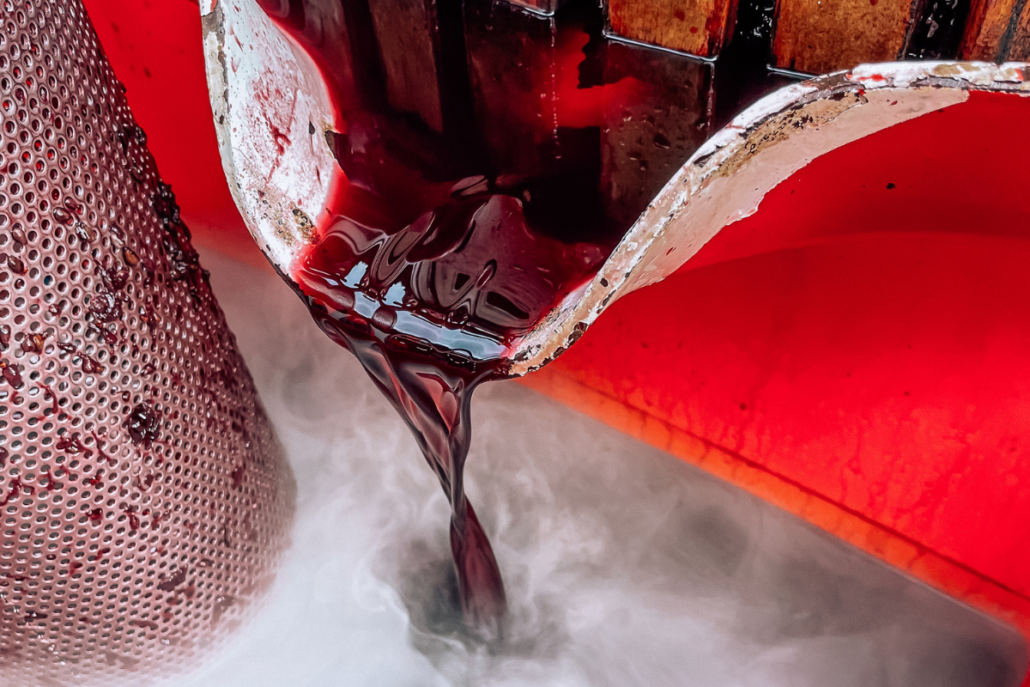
(143, 425)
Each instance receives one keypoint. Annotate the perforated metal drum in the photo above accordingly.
(144, 500)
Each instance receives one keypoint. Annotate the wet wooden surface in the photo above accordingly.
(406, 31)
(997, 30)
(819, 36)
(697, 27)
(937, 31)
(511, 55)
(1019, 49)
(645, 141)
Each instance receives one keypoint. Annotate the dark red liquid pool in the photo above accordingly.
(489, 161)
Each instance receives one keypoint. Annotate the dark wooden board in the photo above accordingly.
(697, 27)
(408, 38)
(998, 30)
(820, 36)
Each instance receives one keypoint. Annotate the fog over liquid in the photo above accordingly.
(623, 565)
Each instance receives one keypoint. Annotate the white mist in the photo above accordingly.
(623, 565)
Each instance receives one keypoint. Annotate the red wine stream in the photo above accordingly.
(461, 216)
(427, 309)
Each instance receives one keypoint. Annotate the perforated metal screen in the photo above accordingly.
(144, 500)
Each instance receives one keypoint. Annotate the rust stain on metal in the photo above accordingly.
(304, 224)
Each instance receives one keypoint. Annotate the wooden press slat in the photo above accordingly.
(511, 56)
(646, 139)
(698, 27)
(1019, 49)
(937, 31)
(998, 30)
(819, 36)
(408, 39)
